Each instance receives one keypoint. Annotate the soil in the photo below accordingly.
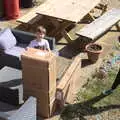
(94, 47)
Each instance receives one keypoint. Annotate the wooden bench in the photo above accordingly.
(30, 18)
(98, 27)
(102, 7)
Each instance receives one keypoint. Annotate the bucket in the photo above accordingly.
(11, 9)
(1, 8)
(26, 3)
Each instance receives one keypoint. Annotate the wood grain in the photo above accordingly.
(100, 25)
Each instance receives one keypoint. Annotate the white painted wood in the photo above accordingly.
(100, 25)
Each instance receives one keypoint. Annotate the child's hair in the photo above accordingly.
(41, 29)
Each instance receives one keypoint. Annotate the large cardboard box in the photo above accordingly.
(41, 95)
(48, 109)
(45, 101)
(39, 78)
(39, 69)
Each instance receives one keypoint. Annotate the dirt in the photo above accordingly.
(94, 47)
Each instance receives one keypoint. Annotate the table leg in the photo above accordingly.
(91, 16)
(60, 28)
(102, 7)
(117, 26)
(66, 36)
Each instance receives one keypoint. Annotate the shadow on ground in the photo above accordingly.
(72, 49)
(85, 62)
(80, 110)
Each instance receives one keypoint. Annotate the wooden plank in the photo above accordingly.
(103, 7)
(65, 86)
(71, 10)
(30, 17)
(68, 73)
(67, 36)
(62, 65)
(100, 25)
(91, 16)
(27, 17)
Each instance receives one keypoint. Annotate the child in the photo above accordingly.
(40, 42)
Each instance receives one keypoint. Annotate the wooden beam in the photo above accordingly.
(102, 7)
(66, 36)
(91, 16)
(117, 26)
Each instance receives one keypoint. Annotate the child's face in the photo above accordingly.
(40, 35)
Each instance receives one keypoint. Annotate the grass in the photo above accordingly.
(96, 86)
(90, 101)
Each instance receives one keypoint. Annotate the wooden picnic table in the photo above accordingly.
(67, 11)
(70, 10)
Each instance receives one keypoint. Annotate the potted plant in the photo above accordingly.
(93, 51)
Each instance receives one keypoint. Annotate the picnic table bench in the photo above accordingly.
(95, 29)
(30, 17)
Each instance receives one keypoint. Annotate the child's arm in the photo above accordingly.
(47, 46)
(31, 45)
